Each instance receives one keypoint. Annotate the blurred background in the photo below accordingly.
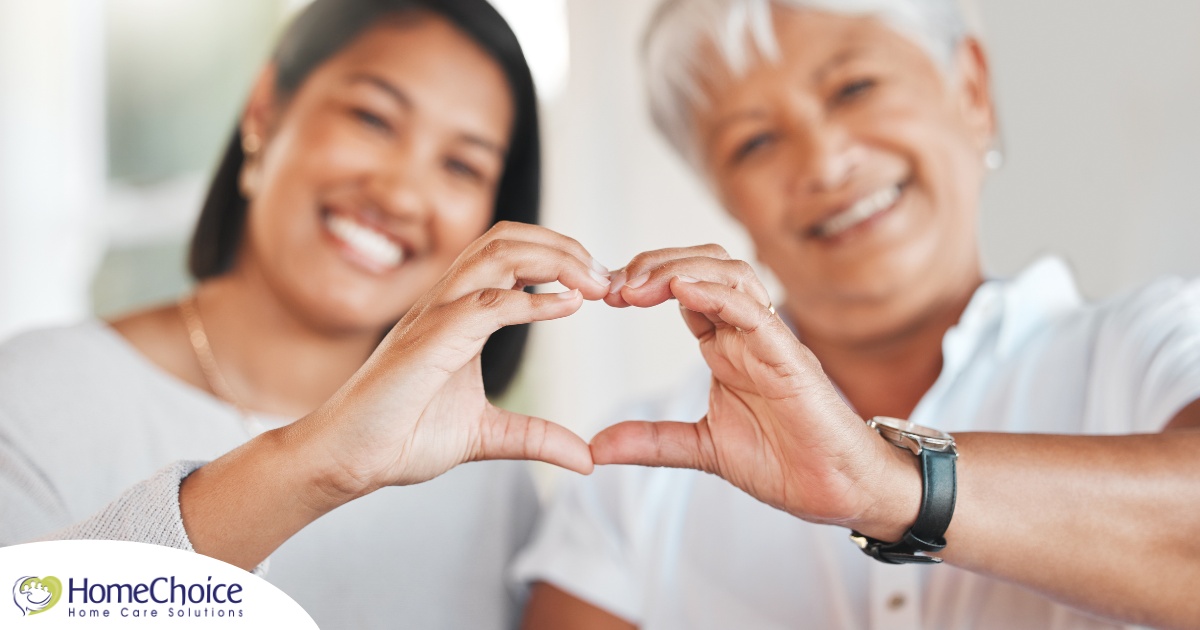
(112, 113)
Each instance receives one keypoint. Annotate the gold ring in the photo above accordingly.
(770, 309)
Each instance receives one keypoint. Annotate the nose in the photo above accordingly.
(826, 156)
(400, 187)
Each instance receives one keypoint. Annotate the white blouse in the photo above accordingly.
(676, 549)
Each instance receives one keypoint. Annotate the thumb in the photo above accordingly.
(669, 444)
(508, 435)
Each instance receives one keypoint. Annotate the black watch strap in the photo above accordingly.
(938, 495)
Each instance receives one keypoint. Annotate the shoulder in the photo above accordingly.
(55, 348)
(1142, 349)
(1168, 304)
(1125, 331)
(1152, 334)
(64, 374)
(1044, 306)
(53, 381)
(160, 335)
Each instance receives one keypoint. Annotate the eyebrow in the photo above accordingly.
(818, 76)
(407, 103)
(752, 114)
(394, 91)
(484, 144)
(839, 59)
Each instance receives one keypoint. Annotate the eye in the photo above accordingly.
(853, 90)
(752, 145)
(371, 120)
(461, 169)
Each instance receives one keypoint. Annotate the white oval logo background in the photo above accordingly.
(30, 575)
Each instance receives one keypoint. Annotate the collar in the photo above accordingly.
(1007, 311)
(1010, 311)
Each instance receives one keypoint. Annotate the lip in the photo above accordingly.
(814, 230)
(351, 254)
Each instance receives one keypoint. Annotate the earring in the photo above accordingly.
(993, 159)
(247, 183)
(251, 143)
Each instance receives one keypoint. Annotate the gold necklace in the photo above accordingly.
(190, 314)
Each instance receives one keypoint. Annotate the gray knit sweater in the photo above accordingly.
(94, 441)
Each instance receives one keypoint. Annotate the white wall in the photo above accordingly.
(51, 159)
(1098, 103)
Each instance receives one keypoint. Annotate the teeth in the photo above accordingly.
(864, 209)
(368, 242)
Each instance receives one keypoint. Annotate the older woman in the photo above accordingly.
(851, 139)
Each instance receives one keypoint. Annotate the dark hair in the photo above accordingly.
(318, 33)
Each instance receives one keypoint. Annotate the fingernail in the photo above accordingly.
(638, 281)
(600, 269)
(600, 280)
(568, 295)
(687, 279)
(618, 281)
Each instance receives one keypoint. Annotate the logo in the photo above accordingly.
(112, 584)
(35, 595)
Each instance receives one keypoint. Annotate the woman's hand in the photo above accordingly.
(776, 427)
(417, 407)
(415, 410)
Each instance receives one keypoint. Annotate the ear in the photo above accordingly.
(258, 120)
(974, 93)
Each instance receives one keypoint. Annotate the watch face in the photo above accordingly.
(917, 430)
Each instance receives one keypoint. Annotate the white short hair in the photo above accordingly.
(739, 28)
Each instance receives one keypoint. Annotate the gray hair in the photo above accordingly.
(739, 28)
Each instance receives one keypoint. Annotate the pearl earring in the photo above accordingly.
(993, 159)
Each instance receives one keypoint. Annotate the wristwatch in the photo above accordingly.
(938, 454)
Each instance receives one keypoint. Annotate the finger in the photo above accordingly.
(616, 283)
(507, 264)
(669, 444)
(646, 262)
(767, 337)
(508, 435)
(722, 303)
(447, 336)
(699, 324)
(654, 287)
(479, 314)
(514, 231)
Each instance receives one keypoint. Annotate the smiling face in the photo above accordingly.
(856, 166)
(376, 174)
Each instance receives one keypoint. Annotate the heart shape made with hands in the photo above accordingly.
(724, 305)
(775, 426)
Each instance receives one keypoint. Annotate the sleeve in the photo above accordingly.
(32, 506)
(585, 546)
(1151, 343)
(147, 513)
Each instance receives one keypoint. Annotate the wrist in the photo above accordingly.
(319, 478)
(937, 455)
(895, 490)
(240, 507)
